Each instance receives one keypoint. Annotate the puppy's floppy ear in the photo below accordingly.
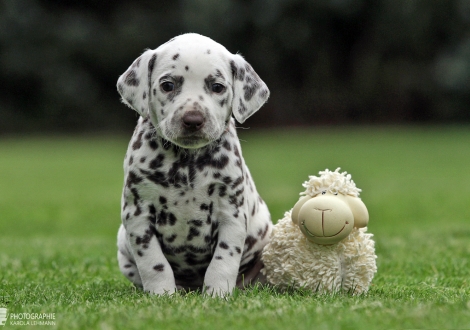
(249, 91)
(134, 85)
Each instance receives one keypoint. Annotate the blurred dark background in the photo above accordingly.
(325, 61)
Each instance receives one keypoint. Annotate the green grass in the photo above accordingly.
(59, 213)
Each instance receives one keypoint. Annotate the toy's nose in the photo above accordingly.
(325, 216)
(322, 210)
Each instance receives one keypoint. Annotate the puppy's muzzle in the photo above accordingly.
(193, 121)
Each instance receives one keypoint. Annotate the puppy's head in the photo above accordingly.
(189, 87)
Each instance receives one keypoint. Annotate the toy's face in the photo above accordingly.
(328, 218)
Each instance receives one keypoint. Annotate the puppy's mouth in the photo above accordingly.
(191, 141)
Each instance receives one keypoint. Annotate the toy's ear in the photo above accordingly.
(134, 85)
(249, 91)
(297, 207)
(359, 211)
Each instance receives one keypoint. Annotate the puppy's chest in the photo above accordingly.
(183, 205)
(182, 194)
(185, 221)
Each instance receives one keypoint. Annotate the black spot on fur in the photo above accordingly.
(208, 82)
(250, 241)
(157, 162)
(218, 257)
(250, 90)
(175, 57)
(151, 65)
(223, 245)
(226, 145)
(197, 223)
(136, 64)
(145, 239)
(162, 218)
(171, 239)
(211, 207)
(131, 79)
(152, 214)
(136, 195)
(234, 69)
(237, 182)
(156, 177)
(211, 189)
(138, 143)
(207, 238)
(171, 219)
(262, 233)
(159, 267)
(242, 107)
(222, 191)
(178, 81)
(193, 232)
(186, 68)
(219, 74)
(263, 93)
(221, 162)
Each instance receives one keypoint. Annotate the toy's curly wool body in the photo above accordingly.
(291, 260)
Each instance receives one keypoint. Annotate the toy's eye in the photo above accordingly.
(217, 88)
(336, 194)
(323, 192)
(167, 86)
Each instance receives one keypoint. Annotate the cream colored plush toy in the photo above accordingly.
(322, 244)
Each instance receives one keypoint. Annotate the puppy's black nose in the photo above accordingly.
(193, 120)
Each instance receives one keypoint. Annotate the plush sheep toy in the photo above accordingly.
(322, 244)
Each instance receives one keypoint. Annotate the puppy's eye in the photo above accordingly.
(167, 86)
(218, 88)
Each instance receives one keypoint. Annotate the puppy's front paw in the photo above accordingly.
(218, 290)
(160, 289)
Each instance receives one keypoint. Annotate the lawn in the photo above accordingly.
(59, 213)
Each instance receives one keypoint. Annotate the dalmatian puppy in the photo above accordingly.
(191, 215)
